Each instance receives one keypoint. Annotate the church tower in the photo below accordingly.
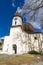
(17, 20)
(16, 24)
(15, 32)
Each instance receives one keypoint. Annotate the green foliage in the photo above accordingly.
(34, 52)
(42, 53)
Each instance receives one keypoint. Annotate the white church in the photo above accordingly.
(22, 38)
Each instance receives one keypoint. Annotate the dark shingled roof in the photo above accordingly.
(17, 14)
(28, 28)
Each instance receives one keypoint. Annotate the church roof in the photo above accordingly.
(28, 28)
(17, 14)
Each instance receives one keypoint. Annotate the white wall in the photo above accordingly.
(18, 21)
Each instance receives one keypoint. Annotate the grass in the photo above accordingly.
(20, 59)
(2, 54)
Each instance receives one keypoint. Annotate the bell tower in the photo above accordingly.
(15, 33)
(17, 19)
(15, 29)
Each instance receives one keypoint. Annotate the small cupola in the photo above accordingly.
(17, 19)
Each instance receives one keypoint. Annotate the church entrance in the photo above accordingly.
(15, 48)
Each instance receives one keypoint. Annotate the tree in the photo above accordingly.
(33, 11)
(32, 7)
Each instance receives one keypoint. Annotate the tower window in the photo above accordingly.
(15, 22)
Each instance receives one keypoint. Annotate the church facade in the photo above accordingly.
(22, 38)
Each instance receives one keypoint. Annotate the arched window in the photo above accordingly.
(15, 22)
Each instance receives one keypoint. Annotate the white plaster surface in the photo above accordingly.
(24, 42)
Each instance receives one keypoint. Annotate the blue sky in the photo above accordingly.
(6, 13)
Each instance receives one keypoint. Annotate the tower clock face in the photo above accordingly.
(17, 21)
